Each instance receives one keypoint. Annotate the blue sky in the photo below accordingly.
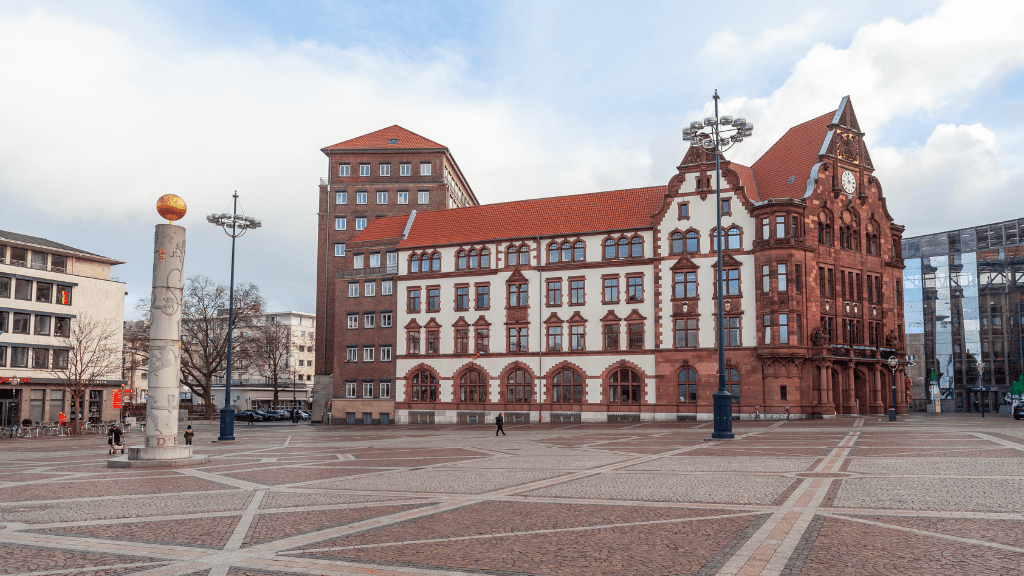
(106, 106)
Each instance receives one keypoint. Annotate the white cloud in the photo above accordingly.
(740, 48)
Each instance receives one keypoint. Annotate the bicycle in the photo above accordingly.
(12, 431)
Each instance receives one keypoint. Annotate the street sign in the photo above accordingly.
(115, 400)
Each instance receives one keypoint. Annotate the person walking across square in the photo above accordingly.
(188, 435)
(500, 421)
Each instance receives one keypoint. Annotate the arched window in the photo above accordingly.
(553, 253)
(435, 262)
(687, 385)
(424, 262)
(824, 229)
(414, 263)
(566, 252)
(609, 249)
(625, 386)
(636, 247)
(485, 258)
(473, 387)
(524, 255)
(692, 241)
(474, 259)
(623, 248)
(462, 259)
(513, 256)
(519, 387)
(579, 254)
(424, 386)
(732, 378)
(677, 243)
(733, 235)
(567, 386)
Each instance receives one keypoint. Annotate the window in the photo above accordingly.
(692, 241)
(375, 260)
(339, 248)
(798, 330)
(685, 284)
(435, 263)
(899, 294)
(461, 340)
(405, 169)
(385, 169)
(635, 289)
(609, 249)
(485, 258)
(474, 258)
(44, 292)
(554, 338)
(4, 320)
(518, 295)
(483, 296)
(433, 299)
(780, 226)
(403, 197)
(766, 279)
(782, 278)
(624, 386)
(385, 319)
(765, 229)
(19, 357)
(636, 336)
(344, 170)
(767, 328)
(424, 387)
(414, 342)
(22, 289)
(414, 300)
(797, 282)
(341, 197)
(368, 389)
(3, 356)
(5, 287)
(578, 252)
(577, 338)
(733, 235)
(462, 298)
(460, 260)
(554, 293)
(473, 387)
(732, 282)
(611, 336)
(353, 321)
(340, 223)
(351, 354)
(783, 329)
(732, 325)
(60, 362)
(567, 386)
(61, 327)
(687, 385)
(483, 340)
(519, 386)
(676, 240)
(517, 340)
(636, 247)
(364, 169)
(40, 358)
(423, 197)
(611, 290)
(382, 197)
(369, 320)
(686, 333)
(424, 168)
(357, 261)
(726, 206)
(794, 227)
(22, 323)
(623, 248)
(684, 211)
(370, 288)
(732, 377)
(385, 385)
(577, 294)
(360, 197)
(433, 342)
(360, 222)
(353, 289)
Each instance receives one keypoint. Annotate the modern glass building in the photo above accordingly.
(964, 306)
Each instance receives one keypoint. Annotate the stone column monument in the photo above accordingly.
(161, 432)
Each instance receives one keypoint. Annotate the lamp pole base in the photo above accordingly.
(723, 415)
(892, 414)
(227, 424)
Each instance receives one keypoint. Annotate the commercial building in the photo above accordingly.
(385, 173)
(44, 287)
(601, 307)
(964, 297)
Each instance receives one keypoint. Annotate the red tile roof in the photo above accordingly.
(746, 179)
(559, 216)
(380, 138)
(792, 156)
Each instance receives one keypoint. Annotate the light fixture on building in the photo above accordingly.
(715, 135)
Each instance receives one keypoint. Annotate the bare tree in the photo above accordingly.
(269, 349)
(91, 352)
(136, 352)
(204, 332)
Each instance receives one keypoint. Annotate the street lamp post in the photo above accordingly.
(981, 387)
(717, 134)
(235, 226)
(893, 364)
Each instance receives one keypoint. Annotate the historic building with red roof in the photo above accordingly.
(602, 306)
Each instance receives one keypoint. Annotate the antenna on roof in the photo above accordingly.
(408, 225)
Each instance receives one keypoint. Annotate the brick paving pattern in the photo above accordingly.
(931, 494)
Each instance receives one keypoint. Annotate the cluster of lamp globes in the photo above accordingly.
(172, 207)
(728, 129)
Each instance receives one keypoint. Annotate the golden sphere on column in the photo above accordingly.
(171, 207)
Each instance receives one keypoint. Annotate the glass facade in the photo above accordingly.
(963, 297)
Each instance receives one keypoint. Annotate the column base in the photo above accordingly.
(128, 462)
(159, 453)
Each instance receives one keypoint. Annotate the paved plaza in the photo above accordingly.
(927, 495)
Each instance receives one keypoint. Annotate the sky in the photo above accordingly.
(106, 106)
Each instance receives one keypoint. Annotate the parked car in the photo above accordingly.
(1018, 410)
(268, 416)
(282, 414)
(245, 414)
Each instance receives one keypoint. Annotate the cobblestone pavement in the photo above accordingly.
(927, 495)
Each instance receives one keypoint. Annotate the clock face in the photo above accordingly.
(849, 182)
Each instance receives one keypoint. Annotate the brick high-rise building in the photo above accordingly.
(384, 173)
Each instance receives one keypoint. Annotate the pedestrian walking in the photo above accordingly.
(188, 435)
(500, 421)
(61, 418)
(252, 418)
(115, 439)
